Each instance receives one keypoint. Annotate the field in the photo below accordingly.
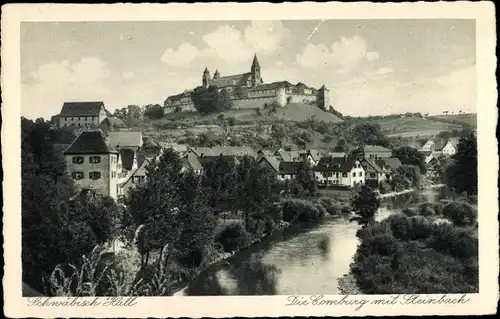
(470, 118)
(412, 126)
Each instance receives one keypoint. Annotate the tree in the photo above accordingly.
(256, 189)
(220, 182)
(364, 205)
(411, 173)
(370, 134)
(341, 145)
(154, 111)
(210, 100)
(155, 204)
(462, 175)
(410, 156)
(305, 177)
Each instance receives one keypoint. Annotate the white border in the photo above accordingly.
(483, 12)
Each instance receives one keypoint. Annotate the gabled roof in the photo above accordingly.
(375, 148)
(127, 157)
(237, 79)
(336, 154)
(124, 139)
(255, 62)
(272, 161)
(207, 160)
(392, 162)
(192, 161)
(335, 164)
(289, 168)
(289, 156)
(180, 148)
(140, 171)
(81, 108)
(90, 142)
(315, 154)
(366, 161)
(238, 151)
(142, 155)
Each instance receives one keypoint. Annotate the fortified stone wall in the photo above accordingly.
(250, 103)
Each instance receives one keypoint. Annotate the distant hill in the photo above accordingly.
(469, 118)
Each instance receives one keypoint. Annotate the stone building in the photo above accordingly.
(248, 90)
(93, 163)
(83, 114)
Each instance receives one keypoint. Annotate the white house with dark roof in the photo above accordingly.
(342, 171)
(93, 163)
(83, 114)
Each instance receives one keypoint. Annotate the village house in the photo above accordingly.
(138, 176)
(83, 114)
(373, 173)
(190, 161)
(374, 152)
(448, 148)
(93, 163)
(288, 170)
(271, 162)
(287, 156)
(342, 171)
(389, 165)
(428, 146)
(311, 156)
(236, 151)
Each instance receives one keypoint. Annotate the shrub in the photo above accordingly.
(301, 210)
(234, 237)
(460, 213)
(332, 207)
(426, 209)
(384, 187)
(409, 212)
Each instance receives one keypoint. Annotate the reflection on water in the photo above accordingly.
(299, 260)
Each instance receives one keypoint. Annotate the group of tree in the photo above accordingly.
(431, 249)
(130, 115)
(56, 226)
(153, 111)
(210, 100)
(460, 174)
(370, 134)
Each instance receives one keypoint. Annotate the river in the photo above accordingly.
(299, 260)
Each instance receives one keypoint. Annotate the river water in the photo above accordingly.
(299, 260)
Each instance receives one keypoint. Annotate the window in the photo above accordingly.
(95, 175)
(78, 160)
(337, 174)
(94, 159)
(344, 174)
(77, 175)
(372, 175)
(354, 174)
(282, 175)
(113, 174)
(360, 174)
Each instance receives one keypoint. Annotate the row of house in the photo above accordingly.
(114, 162)
(433, 151)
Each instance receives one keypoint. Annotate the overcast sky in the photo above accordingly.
(370, 66)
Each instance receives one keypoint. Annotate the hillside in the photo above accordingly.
(410, 126)
(296, 112)
(470, 118)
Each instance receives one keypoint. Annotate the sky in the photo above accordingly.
(371, 67)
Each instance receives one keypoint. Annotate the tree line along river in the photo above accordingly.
(302, 259)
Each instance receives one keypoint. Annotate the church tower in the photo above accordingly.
(216, 74)
(255, 71)
(206, 78)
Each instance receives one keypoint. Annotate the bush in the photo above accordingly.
(384, 187)
(409, 212)
(460, 213)
(427, 209)
(301, 210)
(332, 207)
(234, 237)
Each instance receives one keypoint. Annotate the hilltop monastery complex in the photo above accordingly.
(248, 91)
